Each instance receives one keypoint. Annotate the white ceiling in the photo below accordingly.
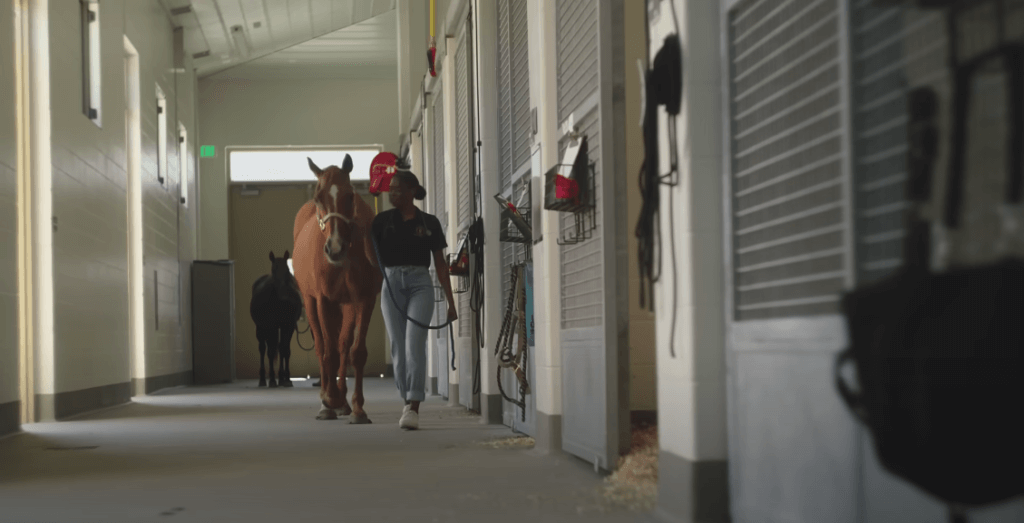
(289, 38)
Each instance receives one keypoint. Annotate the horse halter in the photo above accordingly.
(323, 220)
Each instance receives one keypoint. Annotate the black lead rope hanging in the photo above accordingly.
(663, 85)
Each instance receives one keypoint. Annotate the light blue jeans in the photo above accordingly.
(413, 289)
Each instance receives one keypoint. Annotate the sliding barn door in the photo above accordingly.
(594, 312)
(790, 244)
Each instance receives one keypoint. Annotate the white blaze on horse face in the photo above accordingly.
(333, 249)
(334, 196)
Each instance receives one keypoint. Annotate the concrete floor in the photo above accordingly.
(238, 453)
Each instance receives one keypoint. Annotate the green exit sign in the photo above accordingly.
(207, 151)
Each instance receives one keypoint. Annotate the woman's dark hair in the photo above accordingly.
(409, 179)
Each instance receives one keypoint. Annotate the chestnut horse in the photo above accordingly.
(339, 279)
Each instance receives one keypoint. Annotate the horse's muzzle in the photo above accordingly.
(336, 252)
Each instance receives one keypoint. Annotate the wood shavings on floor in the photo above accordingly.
(634, 484)
(514, 442)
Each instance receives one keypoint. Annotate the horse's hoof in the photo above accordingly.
(326, 414)
(263, 382)
(273, 384)
(286, 383)
(344, 411)
(360, 419)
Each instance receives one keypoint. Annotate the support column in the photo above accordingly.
(412, 23)
(547, 276)
(693, 468)
(487, 91)
(426, 138)
(40, 228)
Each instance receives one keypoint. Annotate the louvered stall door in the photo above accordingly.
(441, 211)
(787, 161)
(464, 176)
(462, 164)
(788, 233)
(894, 50)
(515, 135)
(504, 75)
(589, 423)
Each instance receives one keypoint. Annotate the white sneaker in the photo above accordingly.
(410, 419)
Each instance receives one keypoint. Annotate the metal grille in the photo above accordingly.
(582, 269)
(506, 165)
(576, 50)
(787, 156)
(582, 265)
(462, 151)
(519, 57)
(462, 164)
(892, 53)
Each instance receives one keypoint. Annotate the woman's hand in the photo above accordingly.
(453, 311)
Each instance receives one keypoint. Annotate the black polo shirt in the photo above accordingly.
(407, 242)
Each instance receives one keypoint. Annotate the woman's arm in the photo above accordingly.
(446, 282)
(441, 266)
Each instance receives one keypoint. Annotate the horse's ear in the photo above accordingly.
(286, 255)
(271, 255)
(347, 164)
(312, 167)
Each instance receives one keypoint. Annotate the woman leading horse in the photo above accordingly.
(407, 239)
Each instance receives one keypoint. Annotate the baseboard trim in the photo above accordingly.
(492, 410)
(155, 383)
(549, 433)
(56, 407)
(10, 418)
(453, 394)
(692, 490)
(649, 417)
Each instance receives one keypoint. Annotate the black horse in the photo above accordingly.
(275, 308)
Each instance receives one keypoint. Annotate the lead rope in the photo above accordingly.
(514, 321)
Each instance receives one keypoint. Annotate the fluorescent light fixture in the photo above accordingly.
(290, 165)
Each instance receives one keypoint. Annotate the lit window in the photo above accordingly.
(290, 165)
(161, 136)
(91, 75)
(183, 163)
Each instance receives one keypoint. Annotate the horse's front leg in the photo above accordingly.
(327, 349)
(271, 356)
(284, 349)
(261, 337)
(359, 354)
(344, 342)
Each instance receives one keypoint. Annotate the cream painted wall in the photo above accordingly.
(90, 202)
(9, 349)
(643, 392)
(236, 112)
